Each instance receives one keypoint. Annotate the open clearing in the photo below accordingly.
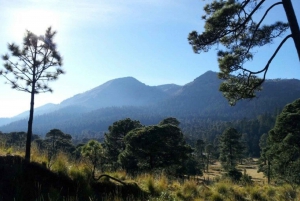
(250, 167)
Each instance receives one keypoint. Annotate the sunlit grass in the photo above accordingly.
(158, 185)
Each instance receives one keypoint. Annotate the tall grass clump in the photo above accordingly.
(154, 184)
(164, 196)
(120, 174)
(150, 185)
(257, 194)
(189, 190)
(38, 155)
(216, 197)
(60, 164)
(287, 192)
(222, 188)
(270, 192)
(162, 183)
(238, 193)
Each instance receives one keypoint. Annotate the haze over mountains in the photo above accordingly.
(96, 109)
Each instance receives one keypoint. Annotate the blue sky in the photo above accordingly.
(101, 40)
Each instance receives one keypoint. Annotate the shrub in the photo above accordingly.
(286, 192)
(234, 174)
(162, 183)
(270, 192)
(60, 165)
(216, 197)
(150, 185)
(246, 179)
(257, 195)
(189, 190)
(222, 188)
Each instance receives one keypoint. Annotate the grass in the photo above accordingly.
(145, 186)
(250, 167)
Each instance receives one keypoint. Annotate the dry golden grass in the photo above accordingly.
(162, 188)
(250, 167)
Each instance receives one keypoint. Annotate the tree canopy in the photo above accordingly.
(283, 145)
(55, 141)
(94, 152)
(231, 26)
(114, 139)
(230, 148)
(154, 147)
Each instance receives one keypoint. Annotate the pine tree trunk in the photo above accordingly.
(294, 26)
(269, 172)
(207, 163)
(29, 131)
(30, 121)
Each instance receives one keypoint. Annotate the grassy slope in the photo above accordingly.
(69, 180)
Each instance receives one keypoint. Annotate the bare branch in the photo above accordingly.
(274, 54)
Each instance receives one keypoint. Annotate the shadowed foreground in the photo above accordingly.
(20, 180)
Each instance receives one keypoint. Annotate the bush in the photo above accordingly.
(246, 179)
(189, 190)
(287, 193)
(234, 175)
(257, 195)
(216, 197)
(60, 166)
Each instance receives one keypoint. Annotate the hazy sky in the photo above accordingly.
(105, 39)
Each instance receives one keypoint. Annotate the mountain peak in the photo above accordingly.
(208, 74)
(126, 91)
(123, 81)
(205, 78)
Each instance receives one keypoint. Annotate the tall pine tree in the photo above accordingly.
(238, 29)
(230, 148)
(30, 68)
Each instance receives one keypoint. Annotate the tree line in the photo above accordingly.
(136, 148)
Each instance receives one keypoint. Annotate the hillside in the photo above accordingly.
(116, 93)
(93, 111)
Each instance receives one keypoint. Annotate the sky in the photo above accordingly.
(102, 40)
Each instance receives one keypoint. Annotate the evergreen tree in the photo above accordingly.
(170, 120)
(208, 150)
(31, 68)
(114, 139)
(232, 24)
(283, 144)
(55, 141)
(199, 152)
(230, 148)
(265, 157)
(152, 147)
(94, 153)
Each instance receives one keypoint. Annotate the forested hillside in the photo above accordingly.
(198, 105)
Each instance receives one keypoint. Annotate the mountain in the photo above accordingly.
(170, 89)
(202, 97)
(47, 108)
(197, 101)
(118, 92)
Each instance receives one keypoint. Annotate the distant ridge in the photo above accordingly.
(99, 107)
(126, 91)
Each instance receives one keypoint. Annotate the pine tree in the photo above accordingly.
(230, 148)
(231, 26)
(283, 144)
(30, 68)
(114, 139)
